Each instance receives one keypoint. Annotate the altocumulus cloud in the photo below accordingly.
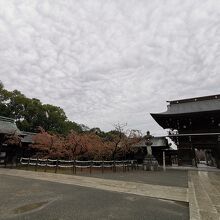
(105, 61)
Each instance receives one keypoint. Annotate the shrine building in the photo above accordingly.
(193, 123)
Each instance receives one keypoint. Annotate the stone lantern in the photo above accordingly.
(149, 163)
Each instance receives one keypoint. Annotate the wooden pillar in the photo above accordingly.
(217, 153)
(194, 162)
(56, 167)
(102, 166)
(36, 164)
(90, 168)
(164, 161)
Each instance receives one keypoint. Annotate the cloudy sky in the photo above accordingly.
(109, 61)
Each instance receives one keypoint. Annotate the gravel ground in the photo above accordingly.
(166, 178)
(170, 177)
(26, 199)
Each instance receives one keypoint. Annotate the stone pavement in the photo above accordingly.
(204, 195)
(201, 167)
(176, 178)
(31, 199)
(155, 191)
(203, 192)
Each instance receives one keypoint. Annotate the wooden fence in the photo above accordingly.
(75, 165)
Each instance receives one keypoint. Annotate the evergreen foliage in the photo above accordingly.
(31, 113)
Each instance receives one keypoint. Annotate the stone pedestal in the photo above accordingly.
(150, 163)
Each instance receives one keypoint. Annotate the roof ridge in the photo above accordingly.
(194, 99)
(2, 118)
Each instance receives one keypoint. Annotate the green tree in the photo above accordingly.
(31, 113)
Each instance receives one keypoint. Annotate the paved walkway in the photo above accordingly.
(31, 199)
(156, 191)
(201, 167)
(204, 195)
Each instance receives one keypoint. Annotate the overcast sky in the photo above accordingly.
(109, 61)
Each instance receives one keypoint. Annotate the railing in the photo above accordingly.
(79, 164)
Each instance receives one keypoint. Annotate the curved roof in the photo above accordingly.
(195, 107)
(156, 142)
(199, 104)
(27, 137)
(201, 98)
(8, 126)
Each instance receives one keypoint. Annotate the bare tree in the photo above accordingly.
(117, 136)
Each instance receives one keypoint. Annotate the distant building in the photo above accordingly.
(193, 124)
(26, 140)
(158, 145)
(7, 127)
(9, 152)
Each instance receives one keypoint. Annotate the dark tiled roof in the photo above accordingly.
(201, 104)
(157, 142)
(8, 126)
(201, 98)
(27, 137)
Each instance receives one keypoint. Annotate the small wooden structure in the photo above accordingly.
(9, 152)
(158, 145)
(7, 127)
